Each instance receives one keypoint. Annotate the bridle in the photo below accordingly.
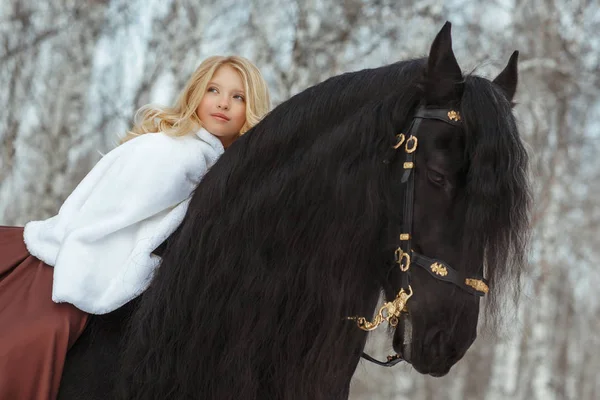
(404, 255)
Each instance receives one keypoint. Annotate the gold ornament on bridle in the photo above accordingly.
(389, 312)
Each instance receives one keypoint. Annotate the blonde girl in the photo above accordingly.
(96, 254)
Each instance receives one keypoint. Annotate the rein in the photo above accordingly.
(404, 255)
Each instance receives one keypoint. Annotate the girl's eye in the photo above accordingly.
(212, 90)
(239, 97)
(436, 178)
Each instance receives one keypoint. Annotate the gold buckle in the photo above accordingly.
(404, 256)
(401, 139)
(411, 149)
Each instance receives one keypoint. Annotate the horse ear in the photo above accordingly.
(443, 72)
(508, 78)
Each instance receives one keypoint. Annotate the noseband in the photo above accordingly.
(404, 255)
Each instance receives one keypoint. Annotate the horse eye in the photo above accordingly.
(436, 177)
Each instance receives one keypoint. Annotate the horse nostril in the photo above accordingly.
(438, 346)
(403, 338)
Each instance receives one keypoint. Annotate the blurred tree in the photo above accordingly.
(74, 73)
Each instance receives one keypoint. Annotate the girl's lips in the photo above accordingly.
(220, 117)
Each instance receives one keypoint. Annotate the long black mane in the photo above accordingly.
(498, 192)
(282, 239)
(267, 252)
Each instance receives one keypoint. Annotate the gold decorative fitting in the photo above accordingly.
(401, 257)
(478, 285)
(404, 236)
(398, 254)
(409, 148)
(401, 139)
(390, 312)
(406, 266)
(409, 165)
(439, 269)
(454, 115)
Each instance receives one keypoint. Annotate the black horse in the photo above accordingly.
(306, 219)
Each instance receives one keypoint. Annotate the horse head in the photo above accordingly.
(458, 182)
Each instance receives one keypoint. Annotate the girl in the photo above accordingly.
(101, 242)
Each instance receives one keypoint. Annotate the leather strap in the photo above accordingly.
(436, 268)
(392, 360)
(444, 272)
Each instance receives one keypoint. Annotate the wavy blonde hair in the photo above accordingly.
(182, 119)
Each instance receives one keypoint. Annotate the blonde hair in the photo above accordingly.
(182, 119)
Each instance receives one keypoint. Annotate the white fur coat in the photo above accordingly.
(102, 239)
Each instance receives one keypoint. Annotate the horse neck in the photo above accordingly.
(285, 335)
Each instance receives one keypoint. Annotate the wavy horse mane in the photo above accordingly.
(283, 238)
(498, 192)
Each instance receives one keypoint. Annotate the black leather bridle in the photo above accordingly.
(404, 255)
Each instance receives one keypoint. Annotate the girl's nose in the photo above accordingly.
(224, 104)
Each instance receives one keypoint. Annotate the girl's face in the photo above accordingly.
(222, 110)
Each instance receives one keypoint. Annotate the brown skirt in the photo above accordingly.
(35, 332)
